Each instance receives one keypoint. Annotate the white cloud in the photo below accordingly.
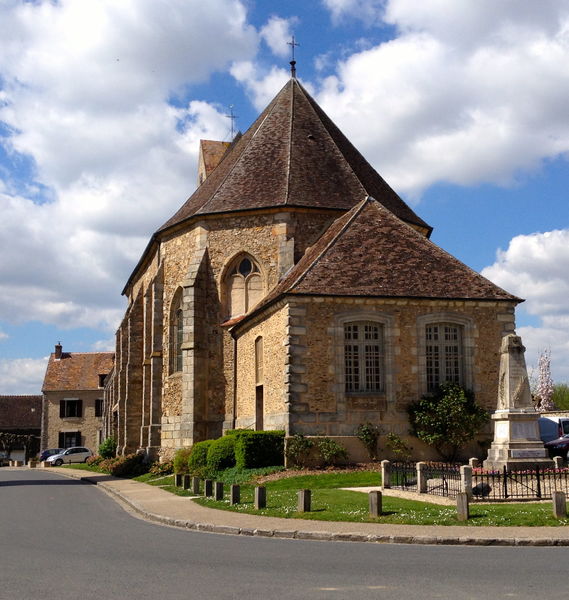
(277, 34)
(467, 92)
(3, 336)
(85, 96)
(261, 85)
(536, 267)
(22, 376)
(369, 11)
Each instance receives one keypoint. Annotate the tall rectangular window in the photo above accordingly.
(99, 407)
(70, 408)
(444, 354)
(68, 439)
(364, 357)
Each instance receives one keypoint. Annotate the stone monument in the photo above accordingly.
(517, 443)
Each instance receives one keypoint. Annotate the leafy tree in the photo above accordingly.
(447, 419)
(108, 447)
(561, 396)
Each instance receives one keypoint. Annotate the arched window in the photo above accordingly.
(244, 287)
(444, 354)
(176, 333)
(364, 357)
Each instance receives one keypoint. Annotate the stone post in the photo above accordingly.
(421, 478)
(462, 510)
(218, 491)
(558, 462)
(32, 464)
(178, 479)
(304, 498)
(195, 485)
(186, 482)
(466, 480)
(385, 474)
(234, 494)
(208, 487)
(375, 504)
(474, 463)
(260, 497)
(559, 505)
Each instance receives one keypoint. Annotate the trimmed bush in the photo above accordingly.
(197, 461)
(257, 449)
(108, 448)
(181, 460)
(221, 453)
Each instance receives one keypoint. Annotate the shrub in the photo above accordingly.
(561, 396)
(368, 434)
(447, 419)
(108, 448)
(94, 460)
(331, 451)
(162, 468)
(181, 460)
(298, 449)
(129, 465)
(197, 461)
(258, 449)
(221, 453)
(398, 447)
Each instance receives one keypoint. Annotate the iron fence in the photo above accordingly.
(404, 476)
(443, 479)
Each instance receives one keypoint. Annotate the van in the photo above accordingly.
(551, 428)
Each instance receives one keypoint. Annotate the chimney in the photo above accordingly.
(58, 351)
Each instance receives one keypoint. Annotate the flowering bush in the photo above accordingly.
(162, 468)
(545, 384)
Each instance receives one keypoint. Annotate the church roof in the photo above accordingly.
(292, 156)
(369, 252)
(76, 370)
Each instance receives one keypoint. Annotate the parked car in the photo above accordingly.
(50, 452)
(77, 454)
(552, 428)
(558, 447)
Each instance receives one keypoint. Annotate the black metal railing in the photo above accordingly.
(443, 479)
(404, 476)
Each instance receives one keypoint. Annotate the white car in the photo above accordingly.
(78, 454)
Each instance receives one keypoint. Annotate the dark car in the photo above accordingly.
(50, 452)
(558, 447)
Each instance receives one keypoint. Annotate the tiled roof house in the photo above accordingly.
(21, 415)
(295, 290)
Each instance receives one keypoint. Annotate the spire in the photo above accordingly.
(292, 45)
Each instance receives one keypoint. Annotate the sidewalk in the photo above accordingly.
(155, 504)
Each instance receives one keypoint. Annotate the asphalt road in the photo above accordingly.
(61, 538)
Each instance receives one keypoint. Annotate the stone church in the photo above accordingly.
(295, 290)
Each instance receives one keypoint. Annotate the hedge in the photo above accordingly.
(256, 449)
(221, 453)
(181, 460)
(197, 460)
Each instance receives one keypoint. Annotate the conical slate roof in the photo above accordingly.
(369, 252)
(293, 156)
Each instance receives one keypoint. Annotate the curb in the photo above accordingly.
(297, 534)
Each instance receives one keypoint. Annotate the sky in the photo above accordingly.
(461, 106)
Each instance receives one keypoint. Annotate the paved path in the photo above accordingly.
(155, 504)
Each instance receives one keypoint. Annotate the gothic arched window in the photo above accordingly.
(176, 334)
(244, 287)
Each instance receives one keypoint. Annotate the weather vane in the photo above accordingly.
(232, 117)
(293, 62)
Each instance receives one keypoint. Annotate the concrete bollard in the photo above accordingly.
(218, 491)
(386, 474)
(195, 485)
(208, 488)
(474, 463)
(558, 462)
(32, 464)
(559, 505)
(186, 482)
(304, 498)
(421, 478)
(260, 497)
(44, 464)
(18, 463)
(234, 494)
(466, 480)
(462, 509)
(375, 504)
(178, 479)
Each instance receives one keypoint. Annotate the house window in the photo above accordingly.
(99, 407)
(364, 357)
(70, 408)
(444, 354)
(102, 377)
(244, 287)
(68, 439)
(176, 334)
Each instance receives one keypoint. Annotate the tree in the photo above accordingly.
(447, 419)
(545, 388)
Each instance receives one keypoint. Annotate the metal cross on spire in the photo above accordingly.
(232, 116)
(293, 62)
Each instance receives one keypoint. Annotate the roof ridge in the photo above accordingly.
(291, 122)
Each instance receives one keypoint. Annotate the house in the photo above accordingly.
(73, 393)
(20, 415)
(295, 290)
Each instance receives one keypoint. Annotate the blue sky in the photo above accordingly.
(461, 106)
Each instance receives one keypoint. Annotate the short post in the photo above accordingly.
(375, 502)
(474, 463)
(260, 497)
(421, 478)
(178, 479)
(195, 485)
(558, 462)
(208, 487)
(186, 482)
(234, 494)
(386, 474)
(218, 491)
(304, 499)
(32, 464)
(559, 505)
(462, 510)
(44, 464)
(466, 480)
